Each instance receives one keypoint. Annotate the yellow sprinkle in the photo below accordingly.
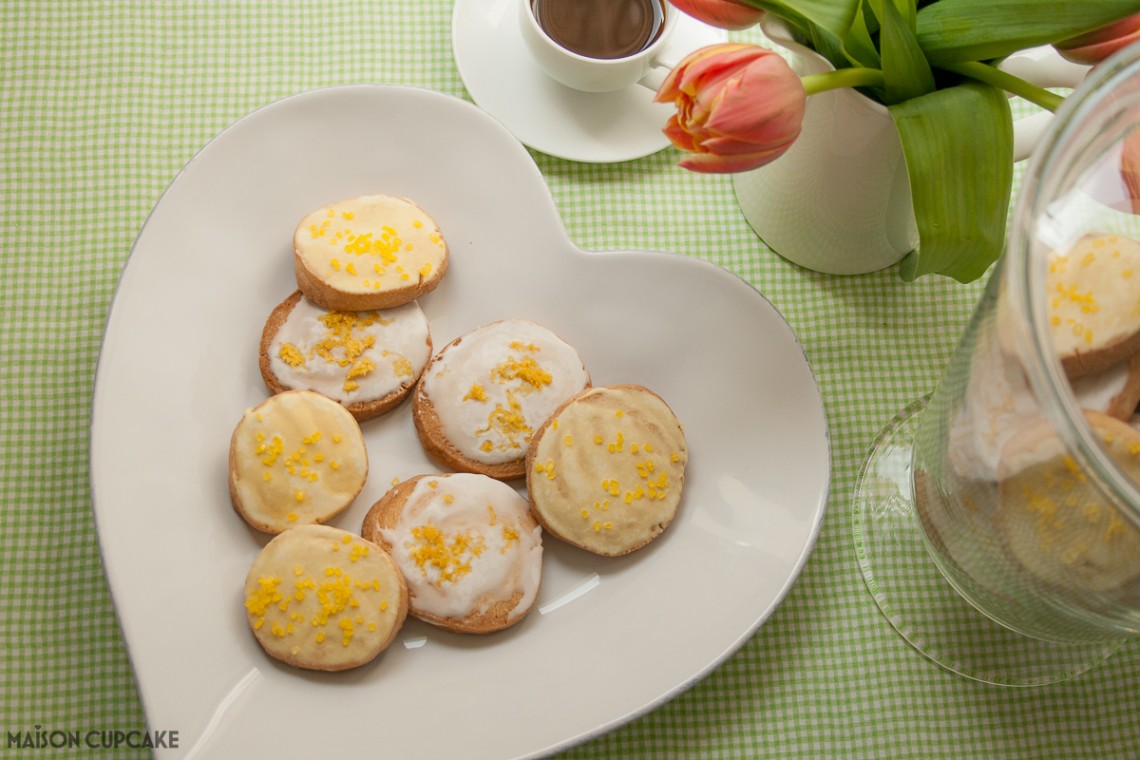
(568, 440)
(477, 393)
(598, 439)
(291, 355)
(619, 413)
(299, 495)
(292, 516)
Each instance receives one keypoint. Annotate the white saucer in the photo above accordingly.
(562, 122)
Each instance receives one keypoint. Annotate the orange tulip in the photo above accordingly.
(725, 14)
(1093, 47)
(738, 107)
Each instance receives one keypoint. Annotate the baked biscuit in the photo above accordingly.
(1094, 291)
(481, 398)
(606, 471)
(466, 544)
(369, 252)
(1055, 521)
(296, 458)
(366, 360)
(321, 598)
(1115, 391)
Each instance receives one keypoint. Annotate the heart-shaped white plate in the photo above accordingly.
(610, 638)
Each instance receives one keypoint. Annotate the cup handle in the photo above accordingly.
(659, 69)
(1044, 67)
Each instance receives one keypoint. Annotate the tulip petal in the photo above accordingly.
(707, 163)
(724, 14)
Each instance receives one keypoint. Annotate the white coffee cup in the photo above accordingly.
(647, 66)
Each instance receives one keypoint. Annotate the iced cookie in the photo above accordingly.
(367, 360)
(1115, 391)
(369, 252)
(296, 458)
(321, 598)
(466, 544)
(1053, 518)
(606, 471)
(482, 397)
(1094, 303)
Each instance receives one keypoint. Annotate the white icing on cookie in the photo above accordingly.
(495, 386)
(465, 542)
(351, 356)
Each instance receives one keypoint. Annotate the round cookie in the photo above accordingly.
(1094, 319)
(606, 471)
(320, 598)
(369, 252)
(467, 545)
(296, 458)
(1053, 519)
(481, 398)
(366, 360)
(1115, 391)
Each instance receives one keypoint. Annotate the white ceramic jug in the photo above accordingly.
(839, 200)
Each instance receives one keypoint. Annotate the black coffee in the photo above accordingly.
(601, 28)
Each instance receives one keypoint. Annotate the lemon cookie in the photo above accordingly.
(1055, 521)
(467, 545)
(366, 360)
(369, 252)
(481, 398)
(1115, 391)
(605, 472)
(296, 458)
(321, 598)
(1094, 303)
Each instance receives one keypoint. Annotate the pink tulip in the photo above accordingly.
(738, 107)
(1093, 47)
(1130, 169)
(725, 14)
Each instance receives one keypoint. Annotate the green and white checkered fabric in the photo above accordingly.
(102, 102)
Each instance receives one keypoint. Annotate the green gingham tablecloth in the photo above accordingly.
(103, 101)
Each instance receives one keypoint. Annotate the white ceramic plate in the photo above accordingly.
(580, 126)
(609, 639)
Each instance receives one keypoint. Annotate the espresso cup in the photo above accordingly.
(594, 51)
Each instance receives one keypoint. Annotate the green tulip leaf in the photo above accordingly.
(906, 74)
(859, 45)
(958, 144)
(951, 31)
(833, 17)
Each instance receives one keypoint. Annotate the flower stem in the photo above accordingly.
(832, 80)
(1013, 84)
